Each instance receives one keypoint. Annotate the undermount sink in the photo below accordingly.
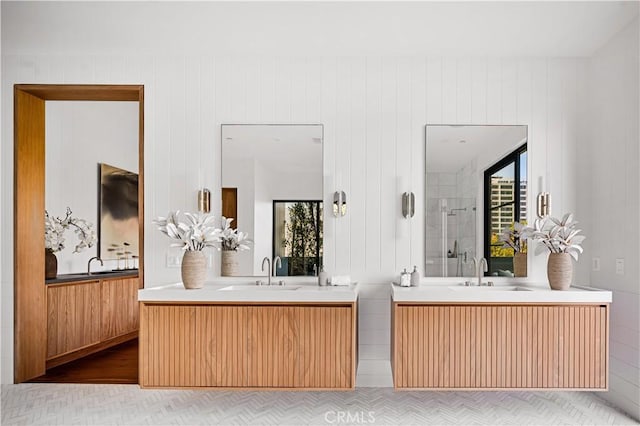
(259, 288)
(488, 288)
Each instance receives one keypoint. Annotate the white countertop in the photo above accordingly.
(503, 292)
(234, 291)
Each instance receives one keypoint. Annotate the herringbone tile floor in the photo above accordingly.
(44, 404)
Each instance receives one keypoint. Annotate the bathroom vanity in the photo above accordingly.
(297, 336)
(87, 313)
(449, 336)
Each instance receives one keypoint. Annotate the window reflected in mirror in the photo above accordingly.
(297, 237)
(506, 203)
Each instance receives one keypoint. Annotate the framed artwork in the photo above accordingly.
(118, 233)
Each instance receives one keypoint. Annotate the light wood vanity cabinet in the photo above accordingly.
(119, 299)
(254, 346)
(496, 346)
(72, 310)
(87, 316)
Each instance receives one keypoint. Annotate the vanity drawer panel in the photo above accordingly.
(193, 346)
(500, 347)
(255, 346)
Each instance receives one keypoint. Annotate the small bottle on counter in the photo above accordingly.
(322, 277)
(405, 278)
(415, 277)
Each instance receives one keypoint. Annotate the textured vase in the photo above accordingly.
(559, 271)
(520, 265)
(229, 263)
(194, 269)
(50, 265)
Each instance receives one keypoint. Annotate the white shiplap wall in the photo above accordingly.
(609, 186)
(374, 110)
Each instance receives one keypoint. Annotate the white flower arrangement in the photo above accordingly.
(558, 236)
(514, 237)
(232, 239)
(196, 233)
(54, 228)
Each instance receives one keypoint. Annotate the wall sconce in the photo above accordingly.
(408, 204)
(339, 203)
(543, 204)
(204, 200)
(543, 201)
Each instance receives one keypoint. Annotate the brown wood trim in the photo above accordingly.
(83, 92)
(72, 356)
(65, 283)
(30, 309)
(241, 303)
(409, 304)
(141, 186)
(30, 322)
(250, 388)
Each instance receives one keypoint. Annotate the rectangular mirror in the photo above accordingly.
(476, 189)
(272, 178)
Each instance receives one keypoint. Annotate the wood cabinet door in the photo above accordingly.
(119, 307)
(273, 347)
(326, 347)
(73, 317)
(520, 347)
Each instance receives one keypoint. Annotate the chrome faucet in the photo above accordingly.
(277, 263)
(89, 263)
(482, 269)
(266, 259)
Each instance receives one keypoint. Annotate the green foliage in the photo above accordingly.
(304, 237)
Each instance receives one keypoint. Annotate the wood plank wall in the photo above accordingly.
(479, 347)
(247, 346)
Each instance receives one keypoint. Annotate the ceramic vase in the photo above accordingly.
(50, 265)
(520, 264)
(559, 271)
(229, 263)
(194, 269)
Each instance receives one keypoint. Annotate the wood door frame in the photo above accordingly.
(30, 304)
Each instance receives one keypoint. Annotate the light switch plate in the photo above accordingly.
(620, 266)
(595, 262)
(173, 259)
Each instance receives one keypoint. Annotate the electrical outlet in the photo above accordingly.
(173, 260)
(595, 264)
(620, 266)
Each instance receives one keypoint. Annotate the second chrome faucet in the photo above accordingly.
(271, 272)
(480, 267)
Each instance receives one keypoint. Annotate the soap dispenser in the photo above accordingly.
(405, 278)
(415, 277)
(322, 277)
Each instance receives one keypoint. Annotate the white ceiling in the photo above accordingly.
(279, 148)
(450, 148)
(315, 28)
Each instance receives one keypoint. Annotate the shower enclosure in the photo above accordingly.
(451, 236)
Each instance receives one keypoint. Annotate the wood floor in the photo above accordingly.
(118, 364)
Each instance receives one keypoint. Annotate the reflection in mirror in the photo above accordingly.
(457, 214)
(297, 236)
(272, 186)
